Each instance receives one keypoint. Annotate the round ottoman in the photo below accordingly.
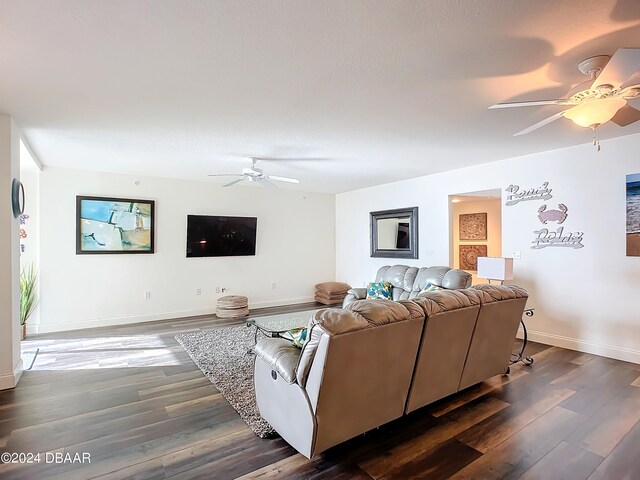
(232, 306)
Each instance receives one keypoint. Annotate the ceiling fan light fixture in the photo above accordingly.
(595, 112)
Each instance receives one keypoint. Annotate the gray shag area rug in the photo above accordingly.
(222, 356)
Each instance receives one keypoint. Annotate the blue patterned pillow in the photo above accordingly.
(429, 287)
(297, 336)
(379, 291)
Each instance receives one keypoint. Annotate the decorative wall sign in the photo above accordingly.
(114, 225)
(473, 226)
(546, 238)
(633, 215)
(23, 230)
(469, 256)
(515, 195)
(558, 216)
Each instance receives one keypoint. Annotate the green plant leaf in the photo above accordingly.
(28, 292)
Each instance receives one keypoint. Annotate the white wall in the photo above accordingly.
(493, 209)
(295, 250)
(31, 254)
(586, 298)
(10, 361)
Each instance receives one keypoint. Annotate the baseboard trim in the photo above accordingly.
(108, 322)
(611, 351)
(10, 380)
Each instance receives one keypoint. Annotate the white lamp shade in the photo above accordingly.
(495, 268)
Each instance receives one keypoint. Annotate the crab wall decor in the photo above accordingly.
(558, 216)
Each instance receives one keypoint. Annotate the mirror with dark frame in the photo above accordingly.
(394, 233)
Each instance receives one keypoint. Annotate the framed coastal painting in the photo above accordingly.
(114, 225)
(633, 215)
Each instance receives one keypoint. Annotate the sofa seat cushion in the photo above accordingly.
(280, 355)
(379, 291)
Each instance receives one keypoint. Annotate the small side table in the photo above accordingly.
(520, 356)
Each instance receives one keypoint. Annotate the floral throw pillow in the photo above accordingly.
(379, 291)
(429, 287)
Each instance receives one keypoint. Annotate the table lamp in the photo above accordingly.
(495, 268)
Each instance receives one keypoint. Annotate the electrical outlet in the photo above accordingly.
(217, 289)
(147, 295)
(273, 286)
(517, 255)
(199, 291)
(223, 289)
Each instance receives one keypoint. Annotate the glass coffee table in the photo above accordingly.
(275, 326)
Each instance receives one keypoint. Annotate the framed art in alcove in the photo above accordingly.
(114, 225)
(473, 226)
(633, 215)
(469, 256)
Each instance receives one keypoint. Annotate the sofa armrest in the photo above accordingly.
(353, 295)
(358, 293)
(280, 356)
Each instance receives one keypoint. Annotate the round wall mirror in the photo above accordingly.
(17, 197)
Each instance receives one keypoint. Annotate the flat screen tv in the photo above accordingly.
(209, 236)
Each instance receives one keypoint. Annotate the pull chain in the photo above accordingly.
(596, 142)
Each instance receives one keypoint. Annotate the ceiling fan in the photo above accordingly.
(613, 82)
(255, 174)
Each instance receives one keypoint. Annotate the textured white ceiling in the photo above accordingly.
(368, 92)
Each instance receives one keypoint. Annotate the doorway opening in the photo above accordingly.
(475, 229)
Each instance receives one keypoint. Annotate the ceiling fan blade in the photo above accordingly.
(624, 63)
(264, 181)
(291, 159)
(234, 182)
(283, 179)
(541, 123)
(631, 81)
(226, 175)
(533, 103)
(626, 116)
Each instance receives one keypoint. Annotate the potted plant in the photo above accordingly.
(28, 297)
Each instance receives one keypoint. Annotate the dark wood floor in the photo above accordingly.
(132, 398)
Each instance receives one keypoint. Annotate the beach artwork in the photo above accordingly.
(114, 225)
(633, 215)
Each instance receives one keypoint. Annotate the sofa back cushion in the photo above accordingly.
(501, 308)
(450, 320)
(360, 374)
(401, 278)
(407, 282)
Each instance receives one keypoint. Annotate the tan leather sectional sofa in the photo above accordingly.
(376, 360)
